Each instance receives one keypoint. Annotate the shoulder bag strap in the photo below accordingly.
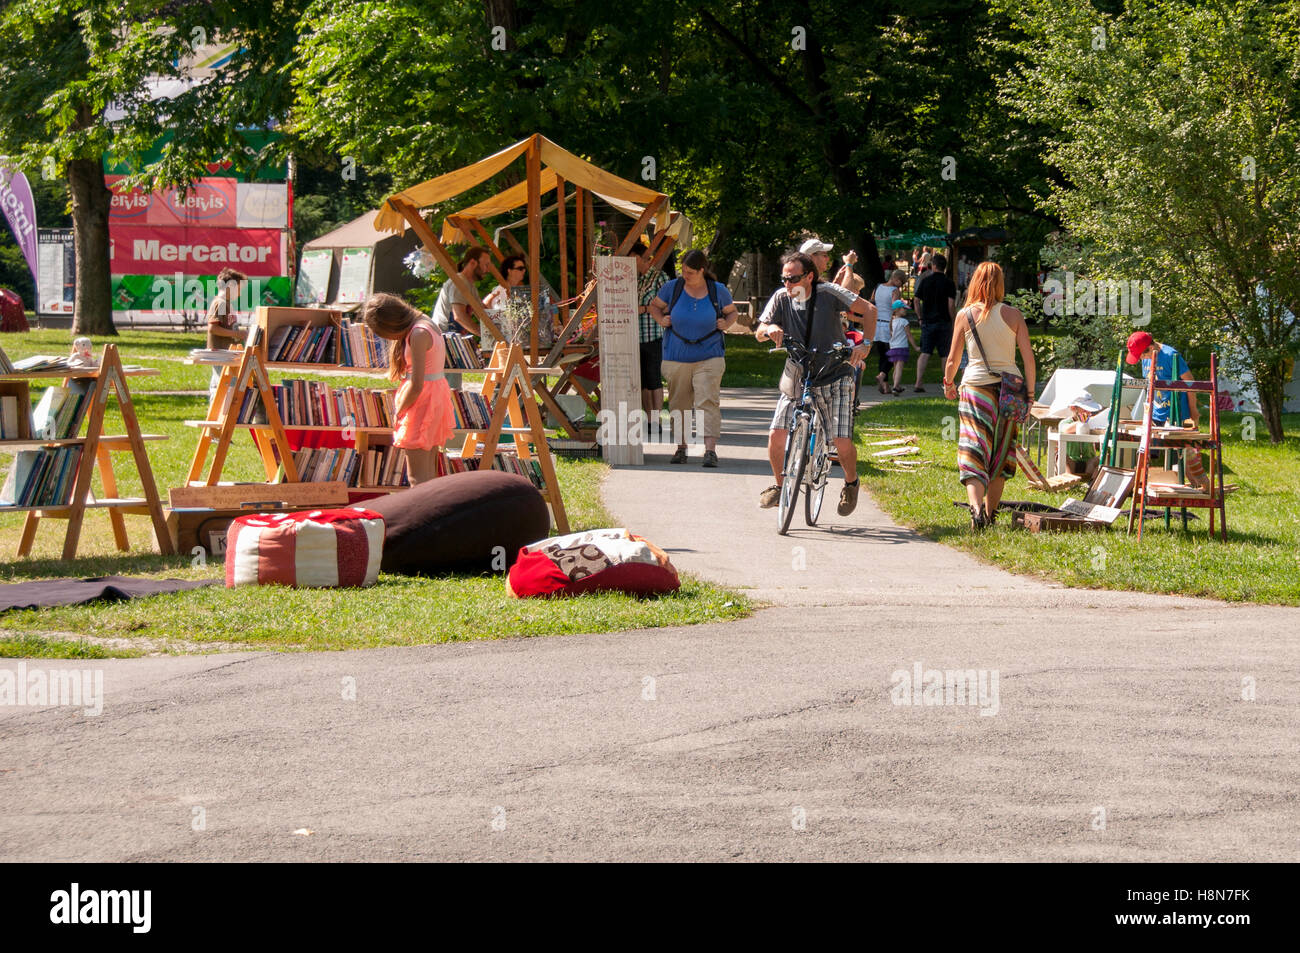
(970, 318)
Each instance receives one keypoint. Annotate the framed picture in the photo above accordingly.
(1110, 487)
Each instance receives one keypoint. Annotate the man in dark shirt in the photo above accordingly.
(787, 313)
(935, 300)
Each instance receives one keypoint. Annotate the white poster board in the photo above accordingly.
(56, 279)
(622, 430)
(314, 276)
(354, 276)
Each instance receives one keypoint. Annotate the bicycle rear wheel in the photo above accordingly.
(796, 460)
(817, 480)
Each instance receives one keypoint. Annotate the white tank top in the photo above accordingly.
(999, 345)
(884, 310)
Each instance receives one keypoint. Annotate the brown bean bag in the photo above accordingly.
(456, 523)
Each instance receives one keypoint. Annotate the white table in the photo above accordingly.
(1058, 444)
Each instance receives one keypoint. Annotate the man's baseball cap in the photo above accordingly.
(814, 246)
(1138, 342)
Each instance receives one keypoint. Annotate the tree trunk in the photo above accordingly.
(92, 311)
(1271, 388)
(952, 225)
(869, 267)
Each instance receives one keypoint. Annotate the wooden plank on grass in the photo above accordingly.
(897, 452)
(897, 441)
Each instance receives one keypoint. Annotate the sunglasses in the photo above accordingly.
(518, 267)
(787, 279)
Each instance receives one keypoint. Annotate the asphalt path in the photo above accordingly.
(1112, 726)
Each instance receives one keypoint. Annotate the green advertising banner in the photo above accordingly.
(242, 169)
(193, 292)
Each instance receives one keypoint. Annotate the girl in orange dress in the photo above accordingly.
(425, 419)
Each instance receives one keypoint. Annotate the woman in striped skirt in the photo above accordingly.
(990, 332)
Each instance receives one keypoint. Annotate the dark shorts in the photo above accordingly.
(652, 359)
(936, 337)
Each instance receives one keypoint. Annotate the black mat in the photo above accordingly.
(47, 593)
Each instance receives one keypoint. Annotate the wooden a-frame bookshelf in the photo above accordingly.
(96, 447)
(508, 388)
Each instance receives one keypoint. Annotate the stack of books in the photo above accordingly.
(384, 466)
(448, 463)
(378, 466)
(302, 344)
(472, 410)
(41, 362)
(42, 477)
(9, 420)
(316, 404)
(461, 352)
(59, 414)
(361, 346)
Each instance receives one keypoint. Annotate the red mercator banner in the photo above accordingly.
(144, 250)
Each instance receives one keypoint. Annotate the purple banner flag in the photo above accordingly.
(20, 210)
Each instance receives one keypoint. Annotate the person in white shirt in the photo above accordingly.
(884, 297)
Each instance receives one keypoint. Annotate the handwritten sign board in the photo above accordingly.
(314, 276)
(620, 367)
(354, 276)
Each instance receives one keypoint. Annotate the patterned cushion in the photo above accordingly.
(340, 547)
(589, 562)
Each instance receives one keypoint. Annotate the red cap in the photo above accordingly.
(1138, 342)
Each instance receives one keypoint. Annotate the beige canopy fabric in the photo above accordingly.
(446, 186)
(512, 198)
(555, 161)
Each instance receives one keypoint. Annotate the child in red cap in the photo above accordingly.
(1169, 408)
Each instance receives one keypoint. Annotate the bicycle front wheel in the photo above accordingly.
(796, 461)
(817, 480)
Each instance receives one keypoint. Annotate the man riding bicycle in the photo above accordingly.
(806, 311)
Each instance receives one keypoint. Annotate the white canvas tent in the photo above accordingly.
(1068, 382)
(386, 269)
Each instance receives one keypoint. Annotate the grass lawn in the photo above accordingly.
(1260, 562)
(398, 611)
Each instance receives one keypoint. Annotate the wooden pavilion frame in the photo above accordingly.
(548, 168)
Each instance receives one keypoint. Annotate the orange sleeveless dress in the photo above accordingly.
(429, 421)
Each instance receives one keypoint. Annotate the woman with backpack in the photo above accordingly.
(694, 310)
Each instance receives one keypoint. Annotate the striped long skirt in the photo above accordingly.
(987, 443)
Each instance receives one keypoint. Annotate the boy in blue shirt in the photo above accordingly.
(1170, 366)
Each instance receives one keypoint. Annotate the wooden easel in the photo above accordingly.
(1215, 498)
(270, 438)
(95, 451)
(509, 391)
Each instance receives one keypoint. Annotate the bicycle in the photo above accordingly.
(807, 441)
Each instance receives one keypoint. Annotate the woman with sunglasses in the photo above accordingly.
(514, 269)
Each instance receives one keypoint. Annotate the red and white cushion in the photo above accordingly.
(591, 561)
(325, 548)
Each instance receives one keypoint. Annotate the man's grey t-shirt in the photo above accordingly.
(792, 318)
(442, 316)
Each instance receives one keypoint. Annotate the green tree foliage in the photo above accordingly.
(763, 119)
(1176, 127)
(67, 61)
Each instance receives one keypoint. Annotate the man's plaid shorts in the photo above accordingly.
(837, 396)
